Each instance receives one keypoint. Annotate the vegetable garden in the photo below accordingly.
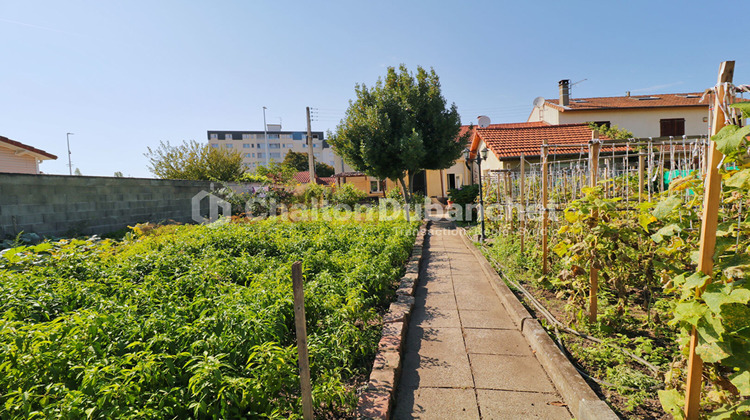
(626, 287)
(194, 321)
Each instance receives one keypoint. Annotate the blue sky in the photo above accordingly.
(125, 75)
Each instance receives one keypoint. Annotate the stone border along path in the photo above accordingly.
(376, 402)
(472, 350)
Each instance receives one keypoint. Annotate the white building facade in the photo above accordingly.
(252, 145)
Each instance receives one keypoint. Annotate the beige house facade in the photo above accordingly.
(16, 157)
(658, 115)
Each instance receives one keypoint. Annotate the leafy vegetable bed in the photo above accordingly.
(193, 320)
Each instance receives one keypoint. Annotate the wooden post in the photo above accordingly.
(641, 158)
(594, 148)
(650, 166)
(300, 323)
(709, 222)
(442, 184)
(606, 178)
(521, 196)
(545, 215)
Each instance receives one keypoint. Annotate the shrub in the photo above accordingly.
(347, 194)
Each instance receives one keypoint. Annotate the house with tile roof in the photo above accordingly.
(508, 142)
(659, 115)
(16, 157)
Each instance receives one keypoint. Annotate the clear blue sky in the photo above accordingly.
(124, 75)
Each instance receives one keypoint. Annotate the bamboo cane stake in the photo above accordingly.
(594, 149)
(709, 223)
(545, 216)
(641, 159)
(522, 208)
(301, 329)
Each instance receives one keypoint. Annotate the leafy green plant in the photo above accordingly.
(348, 195)
(193, 321)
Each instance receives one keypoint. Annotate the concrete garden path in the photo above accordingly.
(464, 358)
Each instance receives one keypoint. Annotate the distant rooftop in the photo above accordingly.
(633, 101)
(21, 148)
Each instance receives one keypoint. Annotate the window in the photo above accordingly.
(274, 146)
(253, 154)
(246, 146)
(273, 136)
(261, 155)
(247, 155)
(275, 155)
(227, 137)
(214, 145)
(260, 145)
(246, 137)
(672, 127)
(374, 186)
(228, 146)
(451, 181)
(214, 136)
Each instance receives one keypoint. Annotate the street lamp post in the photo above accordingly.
(480, 157)
(70, 164)
(265, 135)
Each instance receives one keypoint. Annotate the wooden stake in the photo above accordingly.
(641, 158)
(709, 223)
(522, 207)
(301, 325)
(545, 216)
(594, 148)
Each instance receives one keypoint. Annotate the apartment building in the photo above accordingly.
(252, 144)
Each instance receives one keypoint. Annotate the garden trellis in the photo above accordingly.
(670, 182)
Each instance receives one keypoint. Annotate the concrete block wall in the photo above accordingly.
(61, 205)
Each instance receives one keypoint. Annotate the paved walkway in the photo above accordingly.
(464, 358)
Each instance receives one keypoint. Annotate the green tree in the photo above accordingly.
(400, 127)
(614, 132)
(278, 173)
(298, 161)
(119, 174)
(193, 160)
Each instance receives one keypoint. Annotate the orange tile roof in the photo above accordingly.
(636, 101)
(472, 128)
(26, 147)
(304, 178)
(511, 142)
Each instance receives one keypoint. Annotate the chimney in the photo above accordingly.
(564, 92)
(627, 93)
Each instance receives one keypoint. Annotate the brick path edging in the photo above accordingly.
(377, 400)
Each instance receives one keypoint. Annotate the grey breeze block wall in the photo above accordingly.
(61, 205)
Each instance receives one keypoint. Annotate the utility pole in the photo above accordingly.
(70, 164)
(310, 157)
(265, 135)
